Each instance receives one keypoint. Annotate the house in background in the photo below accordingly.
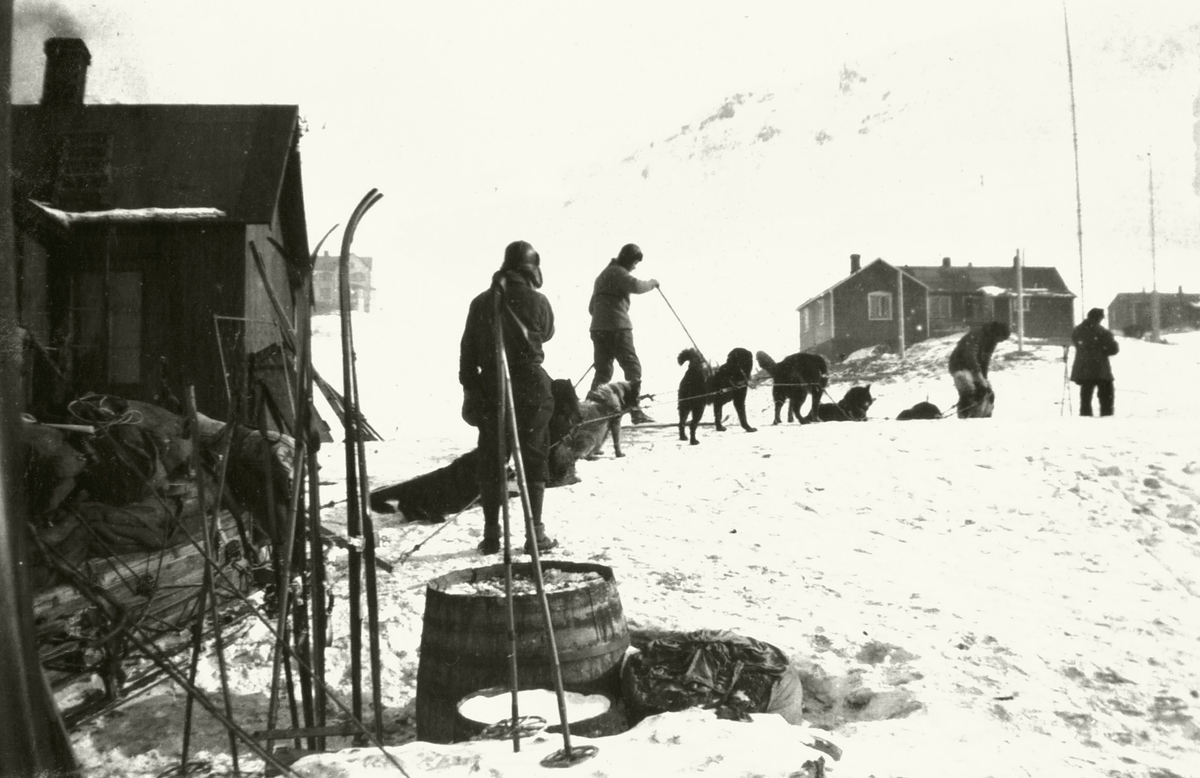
(884, 304)
(133, 232)
(1133, 311)
(327, 289)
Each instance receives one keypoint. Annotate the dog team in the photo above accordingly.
(554, 428)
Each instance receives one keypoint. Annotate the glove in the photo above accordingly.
(654, 281)
(472, 407)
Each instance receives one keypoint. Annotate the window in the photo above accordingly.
(805, 320)
(977, 308)
(820, 307)
(125, 340)
(939, 306)
(879, 306)
(119, 360)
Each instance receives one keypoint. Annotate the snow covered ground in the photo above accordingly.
(1003, 597)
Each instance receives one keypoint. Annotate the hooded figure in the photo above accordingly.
(526, 322)
(1091, 370)
(612, 329)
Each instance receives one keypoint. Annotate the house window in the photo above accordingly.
(820, 307)
(977, 308)
(1025, 303)
(121, 361)
(879, 306)
(125, 338)
(939, 306)
(805, 320)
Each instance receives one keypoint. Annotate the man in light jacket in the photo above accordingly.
(612, 329)
(1093, 346)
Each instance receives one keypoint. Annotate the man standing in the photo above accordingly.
(612, 330)
(1093, 346)
(527, 321)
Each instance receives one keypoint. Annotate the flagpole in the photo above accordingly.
(1075, 146)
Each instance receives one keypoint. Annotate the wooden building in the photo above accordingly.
(1134, 311)
(880, 303)
(134, 225)
(327, 286)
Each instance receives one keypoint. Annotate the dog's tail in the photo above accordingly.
(689, 355)
(765, 362)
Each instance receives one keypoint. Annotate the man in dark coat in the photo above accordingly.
(969, 363)
(527, 321)
(612, 329)
(1093, 346)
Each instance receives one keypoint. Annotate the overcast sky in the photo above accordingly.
(473, 118)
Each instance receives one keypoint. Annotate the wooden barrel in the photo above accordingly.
(465, 644)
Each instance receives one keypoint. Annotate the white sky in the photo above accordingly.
(477, 119)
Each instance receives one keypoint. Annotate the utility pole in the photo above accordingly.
(900, 307)
(1019, 265)
(1155, 311)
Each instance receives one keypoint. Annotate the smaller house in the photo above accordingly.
(327, 289)
(894, 305)
(1135, 311)
(133, 232)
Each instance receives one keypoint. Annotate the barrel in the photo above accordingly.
(465, 644)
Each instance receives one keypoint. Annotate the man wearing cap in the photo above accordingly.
(527, 321)
(612, 329)
(1093, 346)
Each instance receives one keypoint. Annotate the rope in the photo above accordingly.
(681, 324)
(405, 556)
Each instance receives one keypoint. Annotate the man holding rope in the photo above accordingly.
(527, 322)
(612, 329)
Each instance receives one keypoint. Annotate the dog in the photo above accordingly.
(921, 411)
(796, 377)
(566, 418)
(968, 366)
(702, 386)
(433, 495)
(852, 407)
(453, 488)
(601, 412)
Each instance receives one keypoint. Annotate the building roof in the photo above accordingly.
(1144, 297)
(227, 157)
(1042, 281)
(821, 294)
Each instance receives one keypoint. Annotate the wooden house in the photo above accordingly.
(134, 225)
(885, 304)
(1133, 312)
(327, 289)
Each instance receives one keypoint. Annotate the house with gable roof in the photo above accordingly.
(880, 303)
(134, 225)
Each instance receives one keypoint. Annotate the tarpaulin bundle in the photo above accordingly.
(733, 674)
(125, 463)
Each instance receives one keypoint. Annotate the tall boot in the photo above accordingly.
(537, 494)
(489, 500)
(636, 414)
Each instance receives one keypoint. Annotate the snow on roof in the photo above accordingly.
(130, 215)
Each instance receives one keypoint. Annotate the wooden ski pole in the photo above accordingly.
(502, 493)
(531, 535)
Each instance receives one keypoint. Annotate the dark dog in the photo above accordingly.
(920, 411)
(453, 488)
(702, 386)
(852, 407)
(969, 364)
(795, 378)
(433, 495)
(566, 418)
(601, 412)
